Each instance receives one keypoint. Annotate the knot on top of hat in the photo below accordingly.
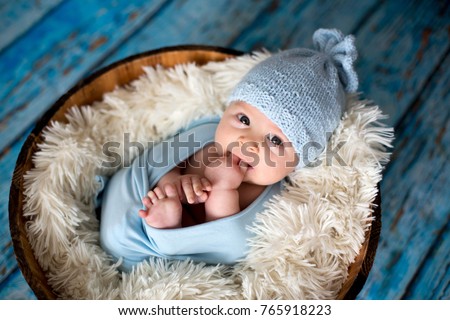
(341, 50)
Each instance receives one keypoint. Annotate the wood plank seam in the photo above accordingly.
(11, 252)
(251, 26)
(402, 122)
(429, 254)
(114, 49)
(25, 31)
(371, 12)
(14, 111)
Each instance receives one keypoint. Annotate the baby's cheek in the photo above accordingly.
(286, 159)
(221, 144)
(279, 169)
(273, 160)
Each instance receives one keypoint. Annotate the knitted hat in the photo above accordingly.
(303, 91)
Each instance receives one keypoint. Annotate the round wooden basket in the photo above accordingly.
(92, 89)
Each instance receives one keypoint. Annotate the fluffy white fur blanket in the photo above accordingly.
(305, 239)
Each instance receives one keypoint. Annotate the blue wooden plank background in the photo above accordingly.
(404, 66)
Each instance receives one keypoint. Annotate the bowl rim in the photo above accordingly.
(30, 265)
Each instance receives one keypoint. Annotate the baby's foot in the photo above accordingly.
(164, 209)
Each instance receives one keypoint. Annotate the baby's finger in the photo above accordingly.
(206, 184)
(170, 187)
(197, 185)
(186, 183)
(202, 198)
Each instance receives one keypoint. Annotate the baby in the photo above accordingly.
(249, 153)
(200, 207)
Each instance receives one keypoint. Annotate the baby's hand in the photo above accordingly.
(225, 172)
(191, 188)
(194, 188)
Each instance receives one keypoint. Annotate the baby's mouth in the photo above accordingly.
(236, 160)
(244, 164)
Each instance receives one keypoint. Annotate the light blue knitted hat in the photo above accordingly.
(303, 91)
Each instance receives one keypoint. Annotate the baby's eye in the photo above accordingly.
(274, 140)
(244, 119)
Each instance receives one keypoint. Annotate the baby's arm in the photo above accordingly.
(221, 203)
(223, 200)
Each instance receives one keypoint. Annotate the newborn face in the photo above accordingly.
(255, 141)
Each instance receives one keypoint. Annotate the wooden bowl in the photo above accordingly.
(92, 89)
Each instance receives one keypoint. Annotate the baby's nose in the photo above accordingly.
(251, 146)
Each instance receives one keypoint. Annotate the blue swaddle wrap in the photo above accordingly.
(123, 234)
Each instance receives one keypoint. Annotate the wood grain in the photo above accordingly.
(60, 49)
(20, 15)
(92, 89)
(207, 28)
(192, 22)
(415, 189)
(8, 160)
(402, 48)
(209, 19)
(16, 288)
(86, 92)
(432, 280)
(296, 21)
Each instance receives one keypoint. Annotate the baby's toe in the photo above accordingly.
(159, 193)
(143, 213)
(146, 201)
(152, 196)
